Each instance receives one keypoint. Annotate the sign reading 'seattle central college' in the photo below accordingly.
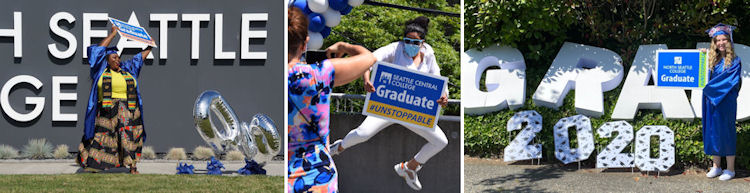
(404, 96)
(234, 47)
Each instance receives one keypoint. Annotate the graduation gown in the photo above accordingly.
(720, 109)
(97, 64)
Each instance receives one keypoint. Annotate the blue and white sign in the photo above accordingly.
(132, 32)
(404, 96)
(681, 68)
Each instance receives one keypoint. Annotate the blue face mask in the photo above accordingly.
(411, 46)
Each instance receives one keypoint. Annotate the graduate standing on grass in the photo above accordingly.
(720, 101)
(113, 134)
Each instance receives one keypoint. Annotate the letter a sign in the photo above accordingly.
(404, 96)
(680, 68)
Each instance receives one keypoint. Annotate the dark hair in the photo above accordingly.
(297, 27)
(419, 25)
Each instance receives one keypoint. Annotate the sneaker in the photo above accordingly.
(727, 175)
(334, 148)
(404, 171)
(713, 172)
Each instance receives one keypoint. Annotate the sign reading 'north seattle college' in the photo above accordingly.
(132, 32)
(404, 95)
(681, 68)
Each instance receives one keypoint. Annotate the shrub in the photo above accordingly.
(148, 153)
(37, 149)
(203, 153)
(235, 155)
(61, 152)
(176, 154)
(8, 152)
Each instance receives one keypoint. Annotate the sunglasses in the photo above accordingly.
(413, 41)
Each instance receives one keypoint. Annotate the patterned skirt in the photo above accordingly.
(311, 169)
(117, 141)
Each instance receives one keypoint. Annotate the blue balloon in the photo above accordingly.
(338, 5)
(302, 4)
(346, 10)
(325, 32)
(317, 22)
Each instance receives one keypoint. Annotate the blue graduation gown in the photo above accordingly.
(720, 109)
(98, 64)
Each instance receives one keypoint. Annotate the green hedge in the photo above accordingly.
(538, 29)
(374, 27)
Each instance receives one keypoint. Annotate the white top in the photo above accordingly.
(394, 53)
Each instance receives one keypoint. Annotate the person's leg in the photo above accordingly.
(436, 141)
(715, 169)
(730, 163)
(369, 127)
(717, 161)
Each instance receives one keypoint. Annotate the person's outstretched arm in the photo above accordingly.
(350, 68)
(109, 38)
(145, 53)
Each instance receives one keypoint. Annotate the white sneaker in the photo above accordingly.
(404, 171)
(334, 148)
(727, 175)
(713, 172)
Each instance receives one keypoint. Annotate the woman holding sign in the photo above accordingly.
(413, 53)
(113, 134)
(720, 101)
(310, 167)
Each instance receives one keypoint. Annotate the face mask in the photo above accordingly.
(411, 46)
(411, 49)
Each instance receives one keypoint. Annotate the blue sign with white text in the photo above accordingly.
(132, 32)
(681, 68)
(404, 95)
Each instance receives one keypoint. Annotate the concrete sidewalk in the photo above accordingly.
(493, 175)
(68, 166)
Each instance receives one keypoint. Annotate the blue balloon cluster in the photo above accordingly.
(322, 16)
(214, 166)
(185, 168)
(251, 167)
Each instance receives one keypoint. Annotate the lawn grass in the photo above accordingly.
(139, 183)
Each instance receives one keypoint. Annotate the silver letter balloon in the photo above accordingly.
(258, 140)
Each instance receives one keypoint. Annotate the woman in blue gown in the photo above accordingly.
(720, 101)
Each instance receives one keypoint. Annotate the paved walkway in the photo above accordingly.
(493, 175)
(68, 166)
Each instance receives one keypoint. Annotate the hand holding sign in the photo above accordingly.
(135, 33)
(405, 96)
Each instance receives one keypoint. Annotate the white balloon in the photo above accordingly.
(316, 41)
(332, 17)
(318, 6)
(355, 3)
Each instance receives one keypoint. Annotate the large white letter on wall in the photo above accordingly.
(248, 34)
(589, 70)
(16, 33)
(88, 33)
(163, 19)
(637, 94)
(195, 31)
(743, 99)
(72, 42)
(58, 96)
(38, 102)
(506, 87)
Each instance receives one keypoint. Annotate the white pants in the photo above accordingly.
(435, 137)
